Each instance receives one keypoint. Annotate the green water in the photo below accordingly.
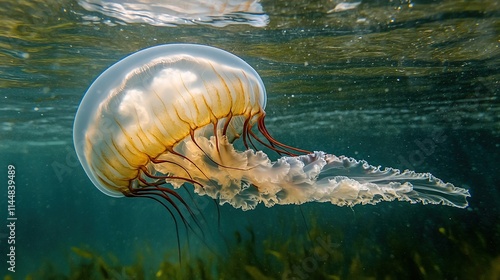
(371, 83)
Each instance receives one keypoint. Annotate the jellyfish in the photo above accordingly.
(192, 115)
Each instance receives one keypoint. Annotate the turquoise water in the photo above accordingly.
(373, 83)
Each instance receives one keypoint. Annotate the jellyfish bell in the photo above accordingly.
(171, 114)
(146, 104)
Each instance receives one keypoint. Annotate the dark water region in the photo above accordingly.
(405, 84)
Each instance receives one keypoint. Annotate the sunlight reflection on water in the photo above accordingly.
(218, 13)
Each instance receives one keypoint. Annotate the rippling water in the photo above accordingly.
(173, 13)
(440, 58)
(366, 82)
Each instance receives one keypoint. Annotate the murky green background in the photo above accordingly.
(371, 83)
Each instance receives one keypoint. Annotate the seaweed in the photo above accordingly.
(322, 251)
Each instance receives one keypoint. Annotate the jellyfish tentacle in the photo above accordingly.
(262, 128)
(161, 194)
(226, 123)
(160, 161)
(190, 160)
(247, 132)
(161, 202)
(246, 124)
(210, 157)
(271, 145)
(151, 187)
(164, 193)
